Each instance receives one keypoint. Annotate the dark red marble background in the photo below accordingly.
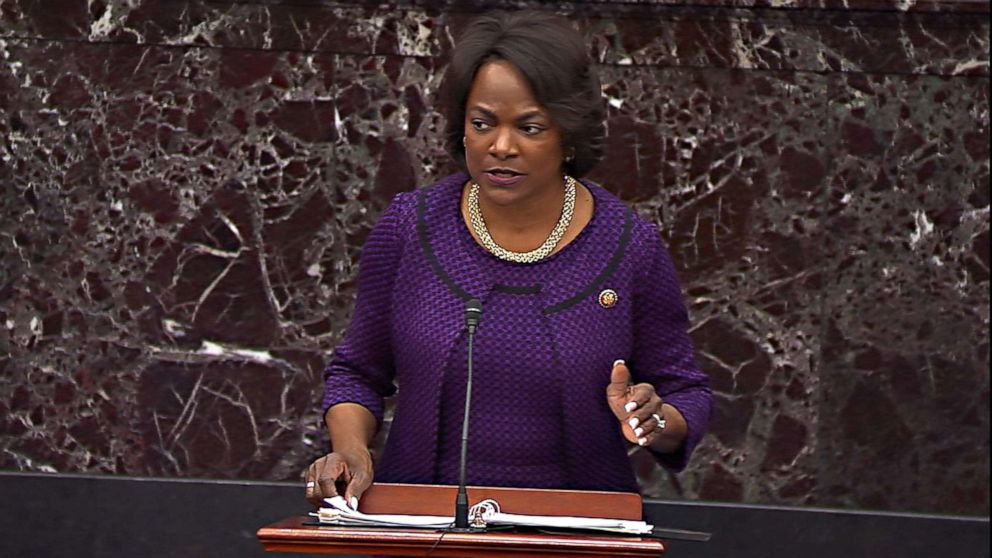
(185, 187)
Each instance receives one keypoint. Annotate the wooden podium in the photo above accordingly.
(293, 535)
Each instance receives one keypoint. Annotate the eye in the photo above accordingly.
(531, 129)
(479, 125)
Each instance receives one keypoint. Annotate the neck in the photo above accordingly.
(540, 211)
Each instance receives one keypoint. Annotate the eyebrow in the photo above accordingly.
(525, 116)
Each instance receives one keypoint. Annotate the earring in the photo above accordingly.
(464, 141)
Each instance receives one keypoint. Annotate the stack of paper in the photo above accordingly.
(337, 512)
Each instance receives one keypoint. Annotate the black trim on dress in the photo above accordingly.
(522, 290)
(425, 245)
(611, 266)
(628, 226)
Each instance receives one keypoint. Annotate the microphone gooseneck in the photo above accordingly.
(473, 312)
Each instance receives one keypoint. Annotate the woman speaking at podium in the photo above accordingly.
(582, 345)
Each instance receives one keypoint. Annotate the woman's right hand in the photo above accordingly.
(345, 472)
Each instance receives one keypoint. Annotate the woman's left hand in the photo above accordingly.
(645, 419)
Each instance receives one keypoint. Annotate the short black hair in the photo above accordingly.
(553, 59)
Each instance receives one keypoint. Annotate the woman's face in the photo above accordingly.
(512, 147)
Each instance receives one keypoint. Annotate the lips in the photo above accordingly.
(503, 171)
(500, 176)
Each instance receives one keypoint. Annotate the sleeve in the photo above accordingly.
(664, 355)
(361, 370)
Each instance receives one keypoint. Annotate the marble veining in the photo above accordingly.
(186, 187)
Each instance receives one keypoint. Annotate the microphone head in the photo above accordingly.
(473, 311)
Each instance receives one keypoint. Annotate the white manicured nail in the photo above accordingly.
(617, 362)
(642, 441)
(354, 503)
(638, 432)
(630, 406)
(633, 422)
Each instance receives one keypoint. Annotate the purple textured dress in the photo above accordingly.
(543, 351)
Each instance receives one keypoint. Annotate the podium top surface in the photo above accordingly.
(294, 535)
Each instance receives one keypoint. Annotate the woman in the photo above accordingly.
(580, 297)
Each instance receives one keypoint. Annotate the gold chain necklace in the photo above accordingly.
(537, 254)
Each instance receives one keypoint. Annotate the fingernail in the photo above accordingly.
(618, 361)
(642, 441)
(354, 503)
(633, 422)
(630, 406)
(638, 432)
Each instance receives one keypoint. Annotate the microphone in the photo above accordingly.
(473, 311)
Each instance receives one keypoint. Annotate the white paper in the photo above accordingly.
(337, 512)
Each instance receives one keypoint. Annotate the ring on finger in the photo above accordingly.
(662, 423)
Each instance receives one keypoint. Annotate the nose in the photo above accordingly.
(503, 144)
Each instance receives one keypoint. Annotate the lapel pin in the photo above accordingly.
(608, 298)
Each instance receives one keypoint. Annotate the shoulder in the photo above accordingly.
(640, 233)
(441, 192)
(407, 208)
(644, 255)
(608, 205)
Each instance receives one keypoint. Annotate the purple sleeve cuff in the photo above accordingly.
(695, 408)
(342, 387)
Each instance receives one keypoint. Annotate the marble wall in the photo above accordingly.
(185, 187)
